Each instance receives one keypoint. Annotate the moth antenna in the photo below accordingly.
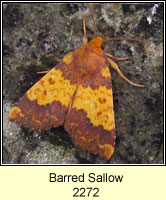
(130, 39)
(92, 16)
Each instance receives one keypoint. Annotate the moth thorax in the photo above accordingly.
(97, 42)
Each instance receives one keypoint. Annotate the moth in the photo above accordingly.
(76, 93)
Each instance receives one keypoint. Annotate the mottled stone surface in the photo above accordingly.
(36, 36)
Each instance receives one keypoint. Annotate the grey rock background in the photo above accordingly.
(36, 36)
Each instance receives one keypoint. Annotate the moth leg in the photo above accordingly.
(115, 66)
(117, 58)
(84, 38)
(43, 72)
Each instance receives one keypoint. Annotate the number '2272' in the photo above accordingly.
(86, 192)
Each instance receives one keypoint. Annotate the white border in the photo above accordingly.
(2, 83)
